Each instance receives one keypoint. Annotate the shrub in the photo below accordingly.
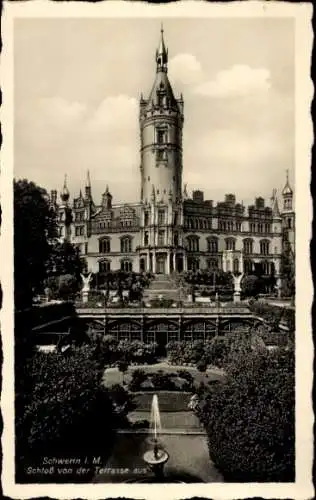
(186, 375)
(138, 377)
(62, 407)
(202, 365)
(250, 418)
(123, 403)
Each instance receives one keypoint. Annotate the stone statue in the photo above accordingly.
(237, 283)
(86, 282)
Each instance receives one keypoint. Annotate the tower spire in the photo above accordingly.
(162, 54)
(287, 190)
(87, 190)
(64, 195)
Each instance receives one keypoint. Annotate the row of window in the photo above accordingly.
(125, 245)
(259, 227)
(227, 225)
(105, 266)
(268, 268)
(230, 244)
(121, 223)
(192, 244)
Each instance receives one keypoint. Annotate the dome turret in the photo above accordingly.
(64, 195)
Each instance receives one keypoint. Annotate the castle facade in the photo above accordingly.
(167, 230)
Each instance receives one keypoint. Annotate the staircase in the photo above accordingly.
(162, 285)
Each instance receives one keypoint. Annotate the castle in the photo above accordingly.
(167, 230)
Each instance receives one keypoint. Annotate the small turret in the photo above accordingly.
(287, 195)
(153, 195)
(64, 195)
(53, 197)
(274, 204)
(107, 198)
(88, 187)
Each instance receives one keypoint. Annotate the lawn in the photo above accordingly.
(114, 376)
(169, 401)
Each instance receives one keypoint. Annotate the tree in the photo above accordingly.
(287, 272)
(62, 408)
(35, 232)
(250, 286)
(250, 418)
(65, 259)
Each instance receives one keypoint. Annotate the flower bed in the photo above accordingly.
(161, 381)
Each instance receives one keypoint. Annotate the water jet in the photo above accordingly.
(156, 457)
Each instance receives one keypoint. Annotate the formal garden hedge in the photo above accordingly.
(110, 351)
(161, 381)
(250, 418)
(201, 354)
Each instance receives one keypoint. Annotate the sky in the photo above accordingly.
(78, 84)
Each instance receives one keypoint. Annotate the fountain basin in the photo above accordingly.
(151, 459)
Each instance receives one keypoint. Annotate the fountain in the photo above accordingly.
(156, 457)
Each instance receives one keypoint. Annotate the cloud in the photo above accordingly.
(239, 80)
(65, 136)
(186, 69)
(115, 113)
(61, 110)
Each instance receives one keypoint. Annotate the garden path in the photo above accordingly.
(182, 435)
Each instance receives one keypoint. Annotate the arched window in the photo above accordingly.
(248, 246)
(212, 264)
(127, 266)
(104, 266)
(126, 244)
(193, 243)
(105, 245)
(264, 247)
(146, 218)
(230, 244)
(236, 266)
(161, 217)
(146, 238)
(266, 267)
(248, 266)
(212, 245)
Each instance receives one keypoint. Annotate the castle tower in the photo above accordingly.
(161, 123)
(288, 216)
(65, 216)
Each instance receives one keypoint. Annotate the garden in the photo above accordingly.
(128, 287)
